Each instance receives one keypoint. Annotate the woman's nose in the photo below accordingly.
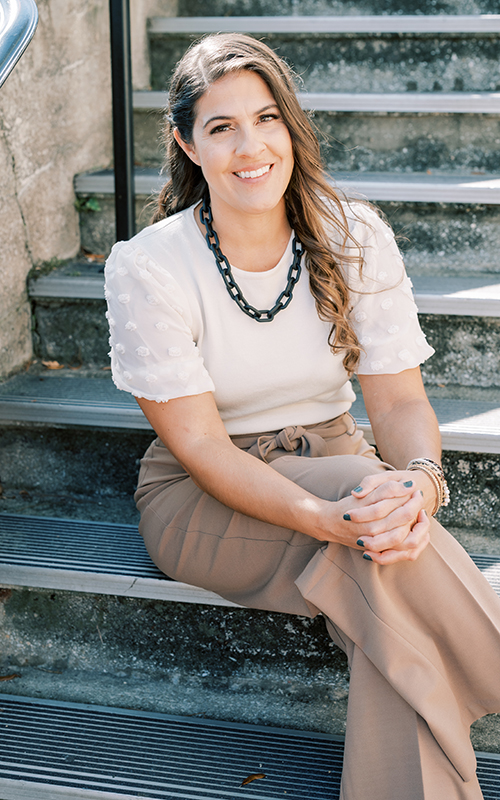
(250, 142)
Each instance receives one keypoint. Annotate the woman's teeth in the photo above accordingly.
(255, 173)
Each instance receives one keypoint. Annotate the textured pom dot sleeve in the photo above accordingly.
(384, 314)
(153, 353)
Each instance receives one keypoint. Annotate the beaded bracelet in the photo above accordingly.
(436, 474)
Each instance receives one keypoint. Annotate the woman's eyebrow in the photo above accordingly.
(226, 118)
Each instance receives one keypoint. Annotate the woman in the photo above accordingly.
(247, 491)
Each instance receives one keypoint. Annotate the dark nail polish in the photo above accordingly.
(360, 542)
(347, 516)
(367, 556)
(358, 489)
(421, 492)
(408, 484)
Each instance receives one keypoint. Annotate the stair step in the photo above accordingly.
(93, 557)
(108, 558)
(68, 750)
(475, 295)
(379, 23)
(417, 187)
(466, 425)
(399, 102)
(55, 749)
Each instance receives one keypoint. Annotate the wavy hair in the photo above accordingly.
(313, 207)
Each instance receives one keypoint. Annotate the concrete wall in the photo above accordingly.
(55, 121)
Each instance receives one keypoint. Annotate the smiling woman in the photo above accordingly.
(236, 320)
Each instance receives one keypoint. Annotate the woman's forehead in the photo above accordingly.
(229, 95)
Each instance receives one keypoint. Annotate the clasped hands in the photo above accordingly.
(385, 516)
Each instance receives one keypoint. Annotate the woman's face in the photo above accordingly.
(242, 145)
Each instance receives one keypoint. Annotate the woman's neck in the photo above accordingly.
(252, 242)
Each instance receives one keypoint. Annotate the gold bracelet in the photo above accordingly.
(436, 474)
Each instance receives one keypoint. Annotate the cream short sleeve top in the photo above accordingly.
(175, 331)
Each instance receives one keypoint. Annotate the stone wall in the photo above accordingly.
(55, 121)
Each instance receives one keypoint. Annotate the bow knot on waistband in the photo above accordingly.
(291, 439)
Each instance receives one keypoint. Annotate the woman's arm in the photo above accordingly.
(405, 427)
(193, 431)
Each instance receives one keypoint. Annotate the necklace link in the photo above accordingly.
(224, 267)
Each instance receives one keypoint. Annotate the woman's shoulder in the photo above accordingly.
(171, 232)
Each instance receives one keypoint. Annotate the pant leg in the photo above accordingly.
(431, 632)
(419, 626)
(390, 753)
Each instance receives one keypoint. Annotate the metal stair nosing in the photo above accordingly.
(107, 559)
(477, 431)
(404, 187)
(472, 303)
(380, 23)
(399, 102)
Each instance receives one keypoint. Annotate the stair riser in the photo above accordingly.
(363, 63)
(435, 237)
(233, 664)
(72, 332)
(75, 333)
(223, 8)
(377, 142)
(50, 463)
(178, 658)
(446, 238)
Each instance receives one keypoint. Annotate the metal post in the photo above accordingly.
(123, 132)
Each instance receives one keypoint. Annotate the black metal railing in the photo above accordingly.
(123, 133)
(18, 21)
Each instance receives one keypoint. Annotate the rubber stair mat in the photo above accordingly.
(55, 749)
(107, 548)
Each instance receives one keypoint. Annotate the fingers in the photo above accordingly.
(372, 482)
(391, 506)
(409, 549)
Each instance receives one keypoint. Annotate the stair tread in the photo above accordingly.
(379, 23)
(416, 102)
(407, 187)
(70, 399)
(468, 295)
(107, 558)
(57, 749)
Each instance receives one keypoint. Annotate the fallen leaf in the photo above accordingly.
(9, 677)
(53, 365)
(255, 777)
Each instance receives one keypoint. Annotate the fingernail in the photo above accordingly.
(421, 492)
(347, 516)
(360, 542)
(408, 484)
(367, 556)
(358, 489)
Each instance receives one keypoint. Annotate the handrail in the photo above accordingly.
(18, 21)
(123, 131)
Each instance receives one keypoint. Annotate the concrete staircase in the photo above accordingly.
(95, 641)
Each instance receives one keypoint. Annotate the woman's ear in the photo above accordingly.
(188, 148)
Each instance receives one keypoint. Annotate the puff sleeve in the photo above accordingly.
(153, 352)
(384, 314)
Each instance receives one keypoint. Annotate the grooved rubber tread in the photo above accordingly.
(46, 545)
(116, 753)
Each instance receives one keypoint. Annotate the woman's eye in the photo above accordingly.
(268, 117)
(220, 128)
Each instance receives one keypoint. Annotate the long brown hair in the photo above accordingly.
(312, 206)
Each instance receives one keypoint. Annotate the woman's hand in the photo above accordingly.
(389, 518)
(385, 517)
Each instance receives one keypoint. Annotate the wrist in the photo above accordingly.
(435, 476)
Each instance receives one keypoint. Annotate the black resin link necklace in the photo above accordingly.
(234, 290)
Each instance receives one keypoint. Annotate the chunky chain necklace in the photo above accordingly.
(234, 290)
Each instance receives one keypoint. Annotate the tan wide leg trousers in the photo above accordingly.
(422, 639)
